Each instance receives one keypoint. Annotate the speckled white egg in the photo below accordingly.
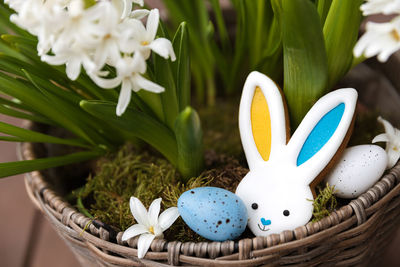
(359, 168)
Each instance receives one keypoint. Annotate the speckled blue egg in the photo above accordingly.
(213, 213)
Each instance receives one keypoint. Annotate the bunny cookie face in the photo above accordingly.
(274, 206)
(277, 191)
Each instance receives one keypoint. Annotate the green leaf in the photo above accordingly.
(32, 136)
(223, 32)
(16, 66)
(135, 123)
(341, 33)
(53, 110)
(153, 101)
(88, 126)
(181, 66)
(164, 76)
(240, 45)
(323, 7)
(304, 57)
(18, 167)
(189, 137)
(195, 13)
(6, 110)
(15, 103)
(11, 139)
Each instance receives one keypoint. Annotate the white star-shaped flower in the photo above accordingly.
(380, 6)
(129, 72)
(143, 39)
(149, 225)
(74, 59)
(392, 139)
(382, 39)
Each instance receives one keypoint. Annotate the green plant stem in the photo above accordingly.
(259, 32)
(82, 208)
(223, 33)
(189, 137)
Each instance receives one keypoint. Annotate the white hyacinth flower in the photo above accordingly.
(74, 59)
(143, 39)
(382, 39)
(392, 139)
(81, 26)
(108, 36)
(149, 225)
(108, 33)
(380, 6)
(129, 72)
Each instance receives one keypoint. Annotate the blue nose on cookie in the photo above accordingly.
(265, 222)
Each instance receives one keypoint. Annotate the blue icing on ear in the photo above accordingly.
(321, 134)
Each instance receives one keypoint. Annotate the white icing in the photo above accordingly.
(279, 184)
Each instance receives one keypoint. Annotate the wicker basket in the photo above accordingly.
(356, 234)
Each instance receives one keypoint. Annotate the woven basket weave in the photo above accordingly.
(356, 234)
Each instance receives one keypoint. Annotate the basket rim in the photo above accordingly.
(354, 215)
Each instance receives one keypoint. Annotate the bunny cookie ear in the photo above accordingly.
(262, 119)
(322, 132)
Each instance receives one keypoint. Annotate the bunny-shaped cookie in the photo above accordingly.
(277, 191)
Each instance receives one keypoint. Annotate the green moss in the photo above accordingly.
(131, 172)
(324, 203)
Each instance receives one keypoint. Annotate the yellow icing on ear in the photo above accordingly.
(261, 124)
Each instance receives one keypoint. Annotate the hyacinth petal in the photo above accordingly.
(168, 217)
(133, 231)
(100, 56)
(389, 129)
(138, 63)
(139, 212)
(152, 23)
(127, 8)
(139, 2)
(144, 243)
(135, 29)
(381, 138)
(124, 97)
(147, 85)
(393, 157)
(385, 54)
(154, 210)
(73, 68)
(105, 83)
(139, 13)
(163, 47)
(54, 60)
